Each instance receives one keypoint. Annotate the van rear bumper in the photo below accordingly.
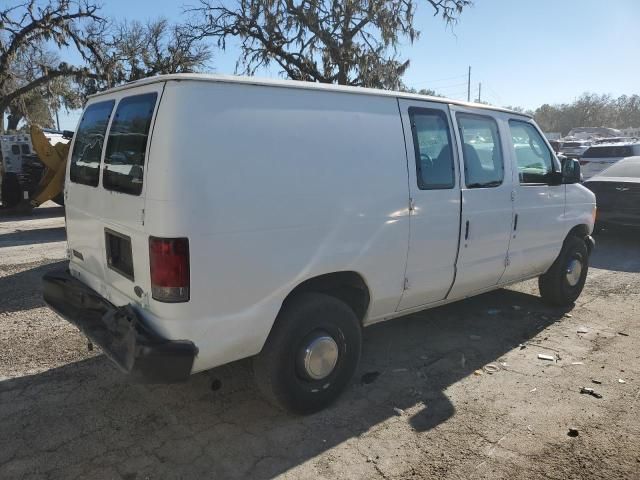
(119, 331)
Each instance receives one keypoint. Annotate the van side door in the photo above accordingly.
(538, 229)
(487, 207)
(434, 202)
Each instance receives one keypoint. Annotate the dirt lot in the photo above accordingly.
(433, 412)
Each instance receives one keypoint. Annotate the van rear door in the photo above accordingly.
(105, 193)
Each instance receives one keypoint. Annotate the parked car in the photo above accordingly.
(574, 148)
(276, 219)
(617, 191)
(599, 157)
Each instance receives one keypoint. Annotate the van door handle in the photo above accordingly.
(515, 223)
(466, 231)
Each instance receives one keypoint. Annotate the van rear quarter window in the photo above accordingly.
(127, 144)
(85, 158)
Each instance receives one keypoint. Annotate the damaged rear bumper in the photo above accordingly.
(119, 331)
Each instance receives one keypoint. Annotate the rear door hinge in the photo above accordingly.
(507, 261)
(412, 204)
(406, 284)
(513, 195)
(142, 216)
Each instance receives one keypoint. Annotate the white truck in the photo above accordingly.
(212, 218)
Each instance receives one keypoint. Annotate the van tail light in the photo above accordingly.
(169, 264)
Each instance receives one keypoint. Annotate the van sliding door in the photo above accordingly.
(435, 202)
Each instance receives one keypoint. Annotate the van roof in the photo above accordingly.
(203, 77)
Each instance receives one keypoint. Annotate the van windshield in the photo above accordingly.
(127, 144)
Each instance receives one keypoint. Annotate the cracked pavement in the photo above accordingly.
(433, 412)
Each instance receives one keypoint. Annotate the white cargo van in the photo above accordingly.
(213, 218)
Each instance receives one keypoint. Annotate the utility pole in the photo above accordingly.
(479, 92)
(469, 85)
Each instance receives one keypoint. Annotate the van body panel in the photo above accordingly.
(274, 186)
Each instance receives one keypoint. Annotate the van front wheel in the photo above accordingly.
(564, 281)
(310, 355)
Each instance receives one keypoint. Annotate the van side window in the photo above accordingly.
(432, 148)
(127, 144)
(25, 149)
(481, 150)
(534, 158)
(15, 149)
(87, 149)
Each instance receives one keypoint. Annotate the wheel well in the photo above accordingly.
(582, 232)
(348, 287)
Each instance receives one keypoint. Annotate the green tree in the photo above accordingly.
(28, 31)
(133, 50)
(349, 42)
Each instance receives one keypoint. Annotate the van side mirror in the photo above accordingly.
(571, 170)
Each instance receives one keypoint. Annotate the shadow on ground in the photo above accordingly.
(22, 290)
(30, 237)
(85, 417)
(7, 215)
(617, 250)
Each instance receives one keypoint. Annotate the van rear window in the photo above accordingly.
(87, 149)
(127, 144)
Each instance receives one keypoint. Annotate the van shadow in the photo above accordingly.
(22, 290)
(618, 250)
(86, 419)
(30, 237)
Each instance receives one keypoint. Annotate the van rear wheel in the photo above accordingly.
(310, 355)
(564, 281)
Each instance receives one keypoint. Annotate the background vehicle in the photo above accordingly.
(599, 157)
(32, 167)
(617, 191)
(574, 148)
(213, 218)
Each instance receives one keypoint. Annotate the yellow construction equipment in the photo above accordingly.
(54, 157)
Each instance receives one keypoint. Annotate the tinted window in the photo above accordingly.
(624, 168)
(609, 151)
(533, 157)
(127, 144)
(15, 149)
(25, 149)
(85, 158)
(483, 163)
(432, 148)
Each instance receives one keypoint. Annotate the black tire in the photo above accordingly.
(279, 369)
(555, 286)
(11, 193)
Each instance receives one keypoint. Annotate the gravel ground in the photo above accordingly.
(425, 404)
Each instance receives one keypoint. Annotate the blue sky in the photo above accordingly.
(525, 52)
